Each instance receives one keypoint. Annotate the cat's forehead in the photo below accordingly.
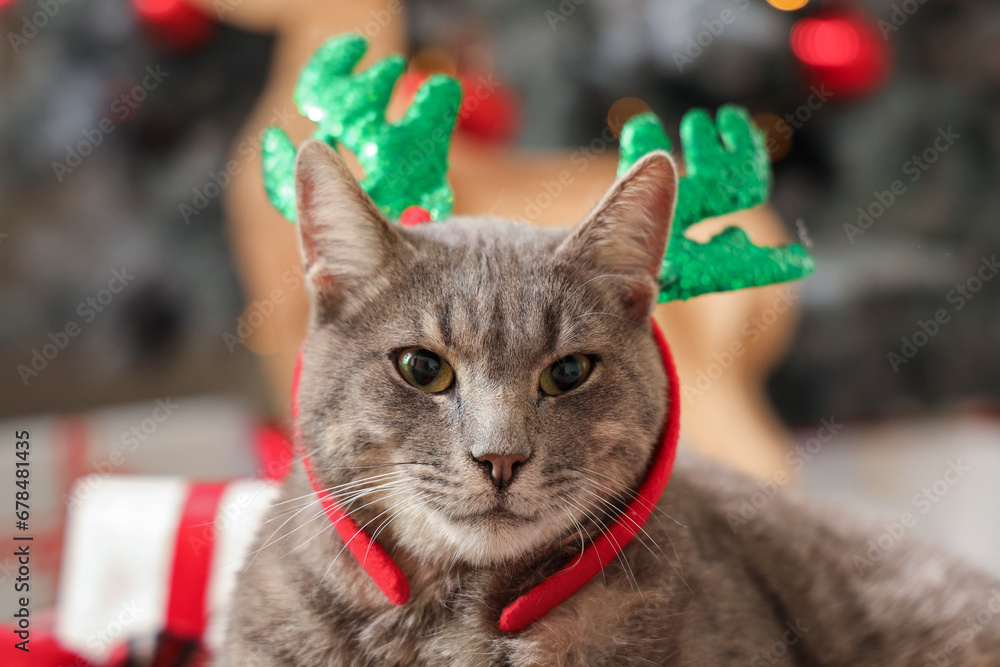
(481, 259)
(469, 239)
(479, 285)
(487, 284)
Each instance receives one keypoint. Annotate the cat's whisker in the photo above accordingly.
(603, 528)
(285, 512)
(378, 531)
(267, 487)
(292, 500)
(578, 531)
(287, 536)
(647, 504)
(620, 548)
(356, 495)
(624, 515)
(624, 489)
(338, 487)
(335, 558)
(386, 523)
(313, 497)
(619, 513)
(271, 541)
(334, 523)
(377, 465)
(632, 494)
(341, 494)
(675, 567)
(415, 517)
(268, 542)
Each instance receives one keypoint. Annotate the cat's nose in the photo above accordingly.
(501, 467)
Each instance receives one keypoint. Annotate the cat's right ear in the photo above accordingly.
(344, 239)
(626, 234)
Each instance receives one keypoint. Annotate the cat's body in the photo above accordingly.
(783, 589)
(418, 464)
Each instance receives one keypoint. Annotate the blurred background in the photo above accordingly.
(118, 288)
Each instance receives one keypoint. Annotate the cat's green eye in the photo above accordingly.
(424, 369)
(565, 374)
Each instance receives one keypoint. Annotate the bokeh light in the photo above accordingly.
(174, 24)
(622, 110)
(788, 5)
(826, 42)
(157, 9)
(842, 51)
(433, 61)
(778, 141)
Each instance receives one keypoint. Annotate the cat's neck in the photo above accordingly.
(431, 574)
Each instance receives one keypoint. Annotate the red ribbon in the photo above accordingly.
(547, 595)
(193, 549)
(45, 651)
(187, 618)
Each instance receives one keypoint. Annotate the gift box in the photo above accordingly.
(207, 437)
(153, 557)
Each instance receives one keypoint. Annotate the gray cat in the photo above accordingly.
(484, 396)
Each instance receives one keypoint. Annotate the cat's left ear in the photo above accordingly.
(626, 234)
(345, 240)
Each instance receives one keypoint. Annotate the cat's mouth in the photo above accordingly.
(490, 530)
(499, 513)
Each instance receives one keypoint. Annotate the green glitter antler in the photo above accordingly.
(721, 178)
(405, 162)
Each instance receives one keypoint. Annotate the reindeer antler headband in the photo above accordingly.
(406, 168)
(406, 164)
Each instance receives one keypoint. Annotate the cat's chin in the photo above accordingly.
(483, 539)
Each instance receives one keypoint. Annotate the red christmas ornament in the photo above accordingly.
(489, 110)
(842, 51)
(174, 24)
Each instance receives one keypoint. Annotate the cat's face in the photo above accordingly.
(477, 388)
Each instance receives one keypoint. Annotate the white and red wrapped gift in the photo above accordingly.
(148, 567)
(206, 436)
